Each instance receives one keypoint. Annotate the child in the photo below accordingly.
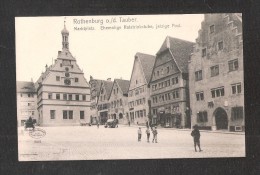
(196, 137)
(148, 133)
(139, 134)
(155, 135)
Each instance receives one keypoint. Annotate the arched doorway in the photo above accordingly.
(221, 118)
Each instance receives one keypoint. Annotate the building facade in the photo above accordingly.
(94, 93)
(118, 108)
(26, 102)
(63, 94)
(103, 103)
(169, 84)
(216, 74)
(139, 91)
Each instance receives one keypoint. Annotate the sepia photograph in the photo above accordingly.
(115, 87)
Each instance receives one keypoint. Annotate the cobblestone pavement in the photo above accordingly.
(89, 143)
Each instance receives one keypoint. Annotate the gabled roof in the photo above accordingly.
(123, 84)
(180, 49)
(147, 63)
(25, 86)
(98, 85)
(108, 87)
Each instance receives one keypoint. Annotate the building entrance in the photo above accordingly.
(221, 118)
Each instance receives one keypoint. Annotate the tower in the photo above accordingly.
(65, 37)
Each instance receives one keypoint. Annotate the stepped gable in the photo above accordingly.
(147, 63)
(124, 85)
(180, 49)
(25, 86)
(43, 75)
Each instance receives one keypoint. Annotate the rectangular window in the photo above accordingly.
(204, 52)
(214, 70)
(84, 97)
(82, 116)
(175, 94)
(218, 92)
(220, 45)
(65, 116)
(202, 117)
(154, 111)
(200, 96)
(236, 88)
(57, 78)
(50, 96)
(64, 96)
(70, 96)
(237, 113)
(76, 80)
(70, 114)
(57, 96)
(211, 29)
(233, 65)
(141, 113)
(52, 114)
(77, 97)
(198, 75)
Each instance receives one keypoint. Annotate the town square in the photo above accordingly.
(92, 143)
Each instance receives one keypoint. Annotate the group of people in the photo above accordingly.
(195, 134)
(153, 130)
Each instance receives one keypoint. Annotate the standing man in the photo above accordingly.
(148, 133)
(155, 135)
(139, 134)
(196, 137)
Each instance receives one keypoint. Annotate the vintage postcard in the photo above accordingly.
(130, 87)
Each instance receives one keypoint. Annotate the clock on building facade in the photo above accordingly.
(67, 81)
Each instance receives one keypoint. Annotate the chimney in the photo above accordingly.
(109, 79)
(46, 67)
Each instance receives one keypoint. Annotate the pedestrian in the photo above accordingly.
(196, 137)
(148, 134)
(129, 123)
(139, 134)
(155, 135)
(97, 124)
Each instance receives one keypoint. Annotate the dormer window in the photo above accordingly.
(212, 29)
(76, 80)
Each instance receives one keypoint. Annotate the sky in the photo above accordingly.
(105, 49)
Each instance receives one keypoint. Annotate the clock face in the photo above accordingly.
(67, 81)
